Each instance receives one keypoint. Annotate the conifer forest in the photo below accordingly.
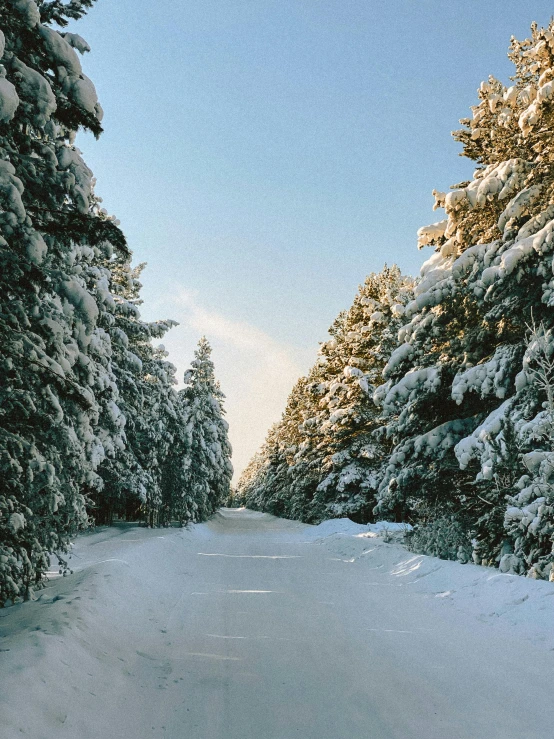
(421, 441)
(91, 422)
(432, 401)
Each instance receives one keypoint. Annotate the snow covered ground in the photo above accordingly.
(261, 628)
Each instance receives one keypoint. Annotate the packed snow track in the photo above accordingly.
(250, 627)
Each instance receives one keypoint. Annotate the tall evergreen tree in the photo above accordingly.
(351, 450)
(322, 459)
(461, 388)
(88, 409)
(201, 477)
(148, 400)
(58, 397)
(264, 483)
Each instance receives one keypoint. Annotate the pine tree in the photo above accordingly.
(461, 378)
(352, 449)
(529, 518)
(264, 483)
(201, 478)
(148, 401)
(58, 397)
(88, 407)
(321, 459)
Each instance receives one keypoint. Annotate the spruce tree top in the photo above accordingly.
(201, 376)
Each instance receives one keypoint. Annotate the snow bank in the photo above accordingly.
(350, 528)
(482, 593)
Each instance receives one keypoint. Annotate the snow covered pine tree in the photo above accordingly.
(200, 471)
(88, 411)
(465, 409)
(57, 395)
(148, 400)
(321, 460)
(351, 367)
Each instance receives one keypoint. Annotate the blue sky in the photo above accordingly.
(263, 156)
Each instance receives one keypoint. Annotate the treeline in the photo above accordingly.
(91, 424)
(433, 400)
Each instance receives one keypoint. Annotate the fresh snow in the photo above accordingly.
(261, 628)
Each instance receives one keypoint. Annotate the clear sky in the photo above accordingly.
(263, 156)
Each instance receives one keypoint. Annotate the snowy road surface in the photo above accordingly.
(250, 627)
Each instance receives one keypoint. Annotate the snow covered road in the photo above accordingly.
(252, 627)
